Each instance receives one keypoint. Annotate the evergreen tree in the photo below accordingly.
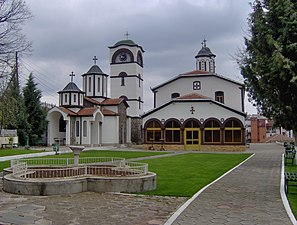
(269, 61)
(14, 115)
(36, 113)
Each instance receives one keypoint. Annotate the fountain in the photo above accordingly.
(76, 152)
(58, 176)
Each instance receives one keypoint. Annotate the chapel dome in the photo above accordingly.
(204, 51)
(70, 87)
(95, 70)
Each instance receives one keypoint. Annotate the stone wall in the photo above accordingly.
(122, 110)
(136, 130)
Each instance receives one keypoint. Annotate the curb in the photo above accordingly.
(283, 194)
(187, 203)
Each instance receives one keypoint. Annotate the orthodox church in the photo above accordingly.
(196, 110)
(88, 116)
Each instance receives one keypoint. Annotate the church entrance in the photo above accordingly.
(192, 138)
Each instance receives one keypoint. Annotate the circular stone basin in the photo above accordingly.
(115, 175)
(58, 186)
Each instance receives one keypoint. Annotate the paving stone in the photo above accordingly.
(247, 195)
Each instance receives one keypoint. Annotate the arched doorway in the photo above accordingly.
(192, 136)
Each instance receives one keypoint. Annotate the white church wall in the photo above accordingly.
(209, 85)
(110, 129)
(203, 110)
(130, 69)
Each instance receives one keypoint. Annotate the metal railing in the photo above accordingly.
(67, 161)
(63, 167)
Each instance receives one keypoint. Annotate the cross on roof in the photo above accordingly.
(127, 35)
(95, 60)
(203, 42)
(72, 75)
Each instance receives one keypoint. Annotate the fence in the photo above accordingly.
(63, 167)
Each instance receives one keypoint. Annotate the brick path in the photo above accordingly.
(248, 195)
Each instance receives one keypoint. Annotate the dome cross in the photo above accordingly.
(72, 75)
(95, 60)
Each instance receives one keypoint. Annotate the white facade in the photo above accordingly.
(209, 85)
(204, 109)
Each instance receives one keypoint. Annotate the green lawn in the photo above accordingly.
(292, 195)
(181, 175)
(7, 152)
(184, 175)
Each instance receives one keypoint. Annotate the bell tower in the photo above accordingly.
(126, 81)
(126, 75)
(205, 59)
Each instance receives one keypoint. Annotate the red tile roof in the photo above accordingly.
(196, 72)
(112, 101)
(67, 111)
(107, 112)
(91, 100)
(193, 96)
(87, 111)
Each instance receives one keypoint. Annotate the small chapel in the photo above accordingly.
(89, 117)
(195, 110)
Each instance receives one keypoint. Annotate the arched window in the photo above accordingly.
(233, 132)
(98, 84)
(172, 132)
(212, 132)
(74, 98)
(77, 128)
(85, 128)
(62, 124)
(153, 131)
(90, 84)
(139, 102)
(122, 75)
(192, 124)
(219, 96)
(175, 95)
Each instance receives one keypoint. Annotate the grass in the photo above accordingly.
(184, 175)
(8, 152)
(292, 195)
(181, 175)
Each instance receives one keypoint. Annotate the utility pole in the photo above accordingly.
(17, 71)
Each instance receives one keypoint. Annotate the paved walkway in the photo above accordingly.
(248, 195)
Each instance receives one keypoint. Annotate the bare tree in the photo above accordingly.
(13, 14)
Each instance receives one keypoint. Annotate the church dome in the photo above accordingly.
(70, 87)
(124, 42)
(95, 70)
(204, 51)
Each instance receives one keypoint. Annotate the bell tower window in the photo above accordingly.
(122, 75)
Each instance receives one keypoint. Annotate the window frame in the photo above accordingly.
(197, 85)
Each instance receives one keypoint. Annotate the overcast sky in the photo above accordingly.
(66, 35)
